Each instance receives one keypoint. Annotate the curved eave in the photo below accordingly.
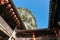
(13, 6)
(38, 33)
(7, 15)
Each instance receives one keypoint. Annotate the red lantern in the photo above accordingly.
(17, 22)
(8, 6)
(56, 35)
(54, 28)
(33, 36)
(55, 31)
(2, 2)
(11, 10)
(16, 19)
(6, 1)
(14, 16)
(13, 13)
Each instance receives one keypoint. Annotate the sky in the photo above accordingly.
(39, 8)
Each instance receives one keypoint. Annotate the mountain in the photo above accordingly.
(27, 18)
